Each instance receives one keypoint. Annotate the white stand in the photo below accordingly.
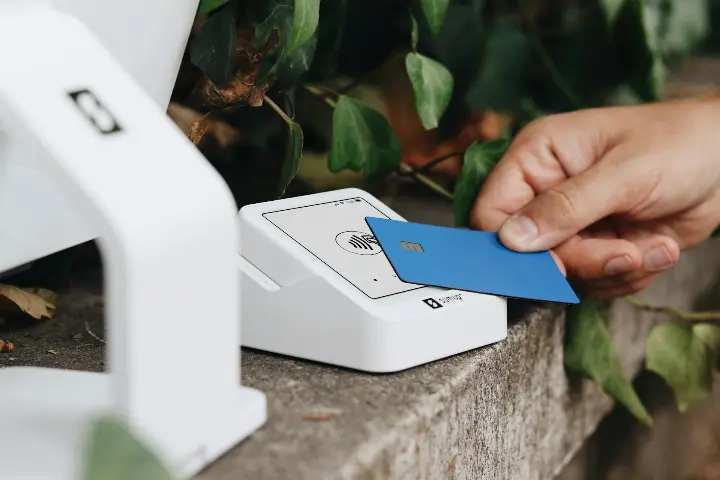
(167, 231)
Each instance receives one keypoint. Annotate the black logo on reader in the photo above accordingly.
(432, 303)
(95, 112)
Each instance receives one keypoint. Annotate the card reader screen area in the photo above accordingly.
(336, 233)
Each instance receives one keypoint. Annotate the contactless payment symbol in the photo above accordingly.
(360, 243)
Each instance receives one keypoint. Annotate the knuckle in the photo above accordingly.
(542, 125)
(563, 207)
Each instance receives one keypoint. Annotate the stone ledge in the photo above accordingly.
(504, 411)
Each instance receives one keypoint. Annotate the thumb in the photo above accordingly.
(565, 209)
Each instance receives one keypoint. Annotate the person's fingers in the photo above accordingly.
(619, 280)
(530, 165)
(610, 293)
(660, 252)
(504, 192)
(564, 210)
(596, 258)
(559, 262)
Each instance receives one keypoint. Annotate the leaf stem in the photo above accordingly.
(318, 92)
(555, 74)
(548, 61)
(694, 317)
(408, 171)
(435, 161)
(278, 110)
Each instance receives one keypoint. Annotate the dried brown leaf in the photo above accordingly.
(13, 300)
(199, 129)
(188, 119)
(45, 294)
(6, 346)
(242, 90)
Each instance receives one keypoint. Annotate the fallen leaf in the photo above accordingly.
(6, 346)
(13, 299)
(190, 120)
(318, 417)
(45, 294)
(52, 351)
(199, 129)
(451, 466)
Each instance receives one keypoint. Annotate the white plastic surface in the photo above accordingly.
(122, 166)
(47, 413)
(331, 232)
(309, 292)
(148, 39)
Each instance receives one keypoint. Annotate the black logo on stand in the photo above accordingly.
(93, 110)
(358, 242)
(432, 303)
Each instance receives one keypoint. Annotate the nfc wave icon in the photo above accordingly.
(361, 243)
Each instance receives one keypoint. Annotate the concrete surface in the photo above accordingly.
(503, 412)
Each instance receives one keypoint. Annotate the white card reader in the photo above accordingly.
(316, 285)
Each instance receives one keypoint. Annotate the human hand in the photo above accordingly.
(615, 193)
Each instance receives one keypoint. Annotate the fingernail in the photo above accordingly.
(520, 231)
(619, 265)
(657, 259)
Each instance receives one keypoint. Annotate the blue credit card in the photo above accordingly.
(469, 260)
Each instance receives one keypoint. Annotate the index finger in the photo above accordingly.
(504, 192)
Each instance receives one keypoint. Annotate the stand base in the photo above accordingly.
(45, 414)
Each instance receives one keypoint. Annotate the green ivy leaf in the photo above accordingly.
(306, 16)
(435, 13)
(285, 68)
(414, 32)
(710, 334)
(292, 67)
(362, 139)
(115, 454)
(207, 6)
(638, 50)
(684, 25)
(478, 161)
(213, 49)
(459, 48)
(291, 160)
(500, 83)
(433, 86)
(684, 358)
(329, 39)
(279, 18)
(589, 351)
(612, 8)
